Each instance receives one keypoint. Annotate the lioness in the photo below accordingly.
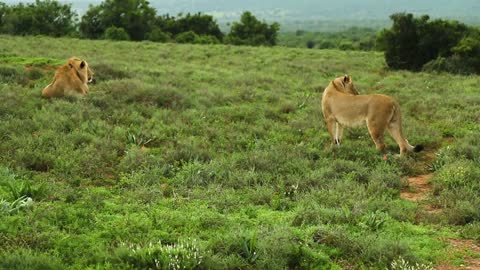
(70, 79)
(343, 106)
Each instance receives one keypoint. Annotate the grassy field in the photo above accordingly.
(216, 157)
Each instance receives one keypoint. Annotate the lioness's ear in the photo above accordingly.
(345, 78)
(82, 64)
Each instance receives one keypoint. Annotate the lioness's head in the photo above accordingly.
(345, 84)
(82, 69)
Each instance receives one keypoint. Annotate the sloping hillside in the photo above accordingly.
(216, 157)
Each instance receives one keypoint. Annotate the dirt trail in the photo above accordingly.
(464, 246)
(418, 190)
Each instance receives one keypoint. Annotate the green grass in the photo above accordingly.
(216, 157)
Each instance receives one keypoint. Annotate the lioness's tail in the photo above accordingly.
(418, 148)
(396, 131)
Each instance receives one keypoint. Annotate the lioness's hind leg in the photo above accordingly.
(338, 133)
(377, 133)
(331, 126)
(397, 135)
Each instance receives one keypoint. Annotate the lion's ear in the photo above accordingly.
(70, 65)
(346, 79)
(82, 64)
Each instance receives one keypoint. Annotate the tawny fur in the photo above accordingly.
(70, 80)
(343, 106)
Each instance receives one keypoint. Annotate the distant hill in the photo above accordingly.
(301, 14)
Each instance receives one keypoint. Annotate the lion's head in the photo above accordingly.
(82, 69)
(345, 84)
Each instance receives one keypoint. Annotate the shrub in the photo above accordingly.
(413, 42)
(38, 18)
(206, 39)
(135, 16)
(181, 255)
(200, 24)
(186, 37)
(26, 259)
(346, 46)
(310, 44)
(401, 264)
(157, 35)
(250, 31)
(116, 33)
(13, 75)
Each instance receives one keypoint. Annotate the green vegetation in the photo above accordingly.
(416, 43)
(130, 20)
(40, 17)
(216, 157)
(353, 38)
(250, 31)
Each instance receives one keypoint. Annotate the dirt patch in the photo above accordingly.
(467, 247)
(418, 188)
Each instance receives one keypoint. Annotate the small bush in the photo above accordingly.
(453, 64)
(310, 44)
(401, 264)
(181, 255)
(206, 39)
(116, 33)
(26, 259)
(471, 231)
(186, 37)
(13, 75)
(157, 35)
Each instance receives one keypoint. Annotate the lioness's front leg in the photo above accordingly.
(83, 89)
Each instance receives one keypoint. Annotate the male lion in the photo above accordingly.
(70, 79)
(343, 106)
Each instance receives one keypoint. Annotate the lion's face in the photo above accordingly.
(82, 68)
(89, 74)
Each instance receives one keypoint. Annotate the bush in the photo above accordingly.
(25, 259)
(452, 64)
(346, 46)
(310, 44)
(184, 255)
(39, 18)
(206, 39)
(250, 31)
(135, 16)
(413, 42)
(116, 33)
(200, 24)
(158, 35)
(186, 37)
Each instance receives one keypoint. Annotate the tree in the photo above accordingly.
(135, 16)
(157, 35)
(116, 33)
(412, 42)
(250, 31)
(47, 17)
(310, 44)
(200, 24)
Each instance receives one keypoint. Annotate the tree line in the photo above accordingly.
(418, 43)
(411, 43)
(130, 20)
